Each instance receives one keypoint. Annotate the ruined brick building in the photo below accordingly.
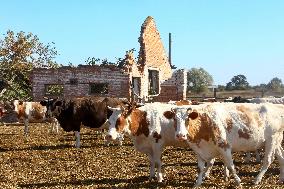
(151, 77)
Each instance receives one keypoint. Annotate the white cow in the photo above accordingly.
(149, 130)
(272, 100)
(219, 129)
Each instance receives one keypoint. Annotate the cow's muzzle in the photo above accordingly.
(109, 137)
(181, 137)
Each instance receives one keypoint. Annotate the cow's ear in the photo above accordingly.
(169, 114)
(126, 103)
(43, 103)
(58, 103)
(138, 105)
(193, 115)
(127, 112)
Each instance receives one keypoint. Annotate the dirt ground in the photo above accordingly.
(48, 160)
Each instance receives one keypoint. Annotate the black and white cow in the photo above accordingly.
(90, 111)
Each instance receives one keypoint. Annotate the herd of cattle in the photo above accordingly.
(210, 129)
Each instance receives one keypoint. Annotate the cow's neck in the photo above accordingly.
(138, 123)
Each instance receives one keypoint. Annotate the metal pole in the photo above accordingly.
(170, 48)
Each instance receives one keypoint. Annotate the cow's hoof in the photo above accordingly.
(151, 178)
(160, 180)
(281, 181)
(256, 182)
(196, 185)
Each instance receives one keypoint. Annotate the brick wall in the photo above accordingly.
(174, 88)
(152, 52)
(181, 83)
(152, 55)
(118, 81)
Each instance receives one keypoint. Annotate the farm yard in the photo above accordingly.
(48, 160)
(118, 72)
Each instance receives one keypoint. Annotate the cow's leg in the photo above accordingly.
(280, 157)
(157, 153)
(152, 166)
(270, 145)
(228, 162)
(257, 156)
(248, 157)
(26, 127)
(77, 136)
(51, 127)
(226, 173)
(107, 142)
(159, 168)
(201, 171)
(208, 168)
(120, 139)
(56, 126)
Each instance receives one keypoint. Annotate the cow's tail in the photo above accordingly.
(282, 122)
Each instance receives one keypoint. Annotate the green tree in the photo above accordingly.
(198, 80)
(19, 54)
(120, 62)
(221, 88)
(92, 61)
(238, 82)
(275, 84)
(261, 88)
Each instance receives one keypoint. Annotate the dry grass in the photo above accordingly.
(50, 161)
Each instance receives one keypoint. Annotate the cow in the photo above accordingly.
(219, 129)
(150, 130)
(184, 102)
(8, 113)
(209, 100)
(272, 100)
(88, 111)
(238, 99)
(32, 112)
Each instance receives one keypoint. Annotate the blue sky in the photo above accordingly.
(225, 37)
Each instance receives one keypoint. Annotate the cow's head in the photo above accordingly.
(181, 116)
(118, 124)
(16, 104)
(53, 106)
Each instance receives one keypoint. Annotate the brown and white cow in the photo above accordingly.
(184, 102)
(32, 112)
(149, 130)
(219, 129)
(88, 111)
